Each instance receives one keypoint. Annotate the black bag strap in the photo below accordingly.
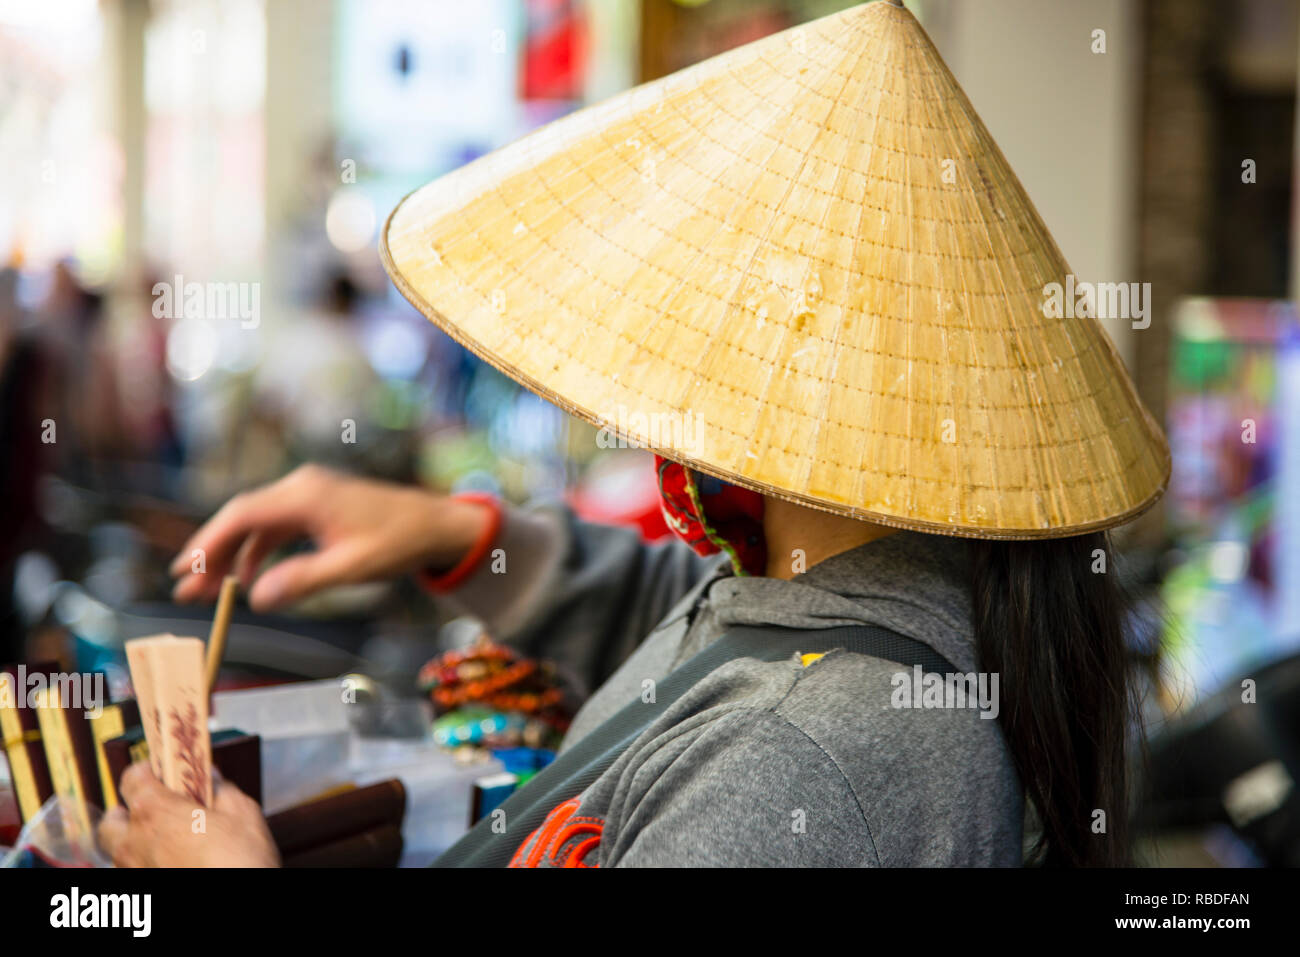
(578, 767)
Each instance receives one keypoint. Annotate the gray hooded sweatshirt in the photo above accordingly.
(800, 762)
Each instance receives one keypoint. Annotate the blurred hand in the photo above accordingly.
(363, 530)
(159, 828)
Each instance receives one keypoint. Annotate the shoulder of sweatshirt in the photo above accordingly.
(782, 763)
(937, 783)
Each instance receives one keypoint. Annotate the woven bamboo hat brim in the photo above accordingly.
(804, 267)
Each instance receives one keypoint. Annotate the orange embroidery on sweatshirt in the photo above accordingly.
(547, 843)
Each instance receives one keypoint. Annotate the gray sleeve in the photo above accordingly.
(748, 789)
(579, 594)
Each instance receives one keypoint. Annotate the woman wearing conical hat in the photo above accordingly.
(805, 276)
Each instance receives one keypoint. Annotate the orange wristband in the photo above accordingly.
(444, 582)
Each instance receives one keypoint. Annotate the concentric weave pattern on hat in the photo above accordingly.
(804, 267)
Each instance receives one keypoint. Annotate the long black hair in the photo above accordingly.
(1049, 619)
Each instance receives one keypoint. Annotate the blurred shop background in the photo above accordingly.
(258, 145)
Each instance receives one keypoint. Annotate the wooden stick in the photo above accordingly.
(220, 626)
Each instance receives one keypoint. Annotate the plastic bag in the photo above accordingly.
(60, 834)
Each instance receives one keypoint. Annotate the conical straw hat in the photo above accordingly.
(804, 267)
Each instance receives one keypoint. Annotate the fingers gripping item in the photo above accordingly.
(170, 684)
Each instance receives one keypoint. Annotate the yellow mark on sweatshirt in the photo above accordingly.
(810, 658)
